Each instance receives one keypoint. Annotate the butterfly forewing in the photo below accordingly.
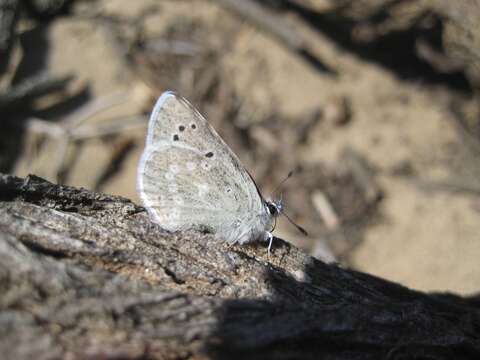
(188, 177)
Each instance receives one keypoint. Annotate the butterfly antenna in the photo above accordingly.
(299, 228)
(274, 223)
(281, 183)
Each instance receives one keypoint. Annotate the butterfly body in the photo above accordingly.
(188, 178)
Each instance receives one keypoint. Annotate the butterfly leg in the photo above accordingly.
(269, 238)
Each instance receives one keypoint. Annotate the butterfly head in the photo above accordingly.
(274, 207)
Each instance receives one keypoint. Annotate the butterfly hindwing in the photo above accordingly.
(188, 177)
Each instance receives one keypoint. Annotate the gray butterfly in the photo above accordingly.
(188, 178)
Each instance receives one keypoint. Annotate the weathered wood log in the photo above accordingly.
(86, 275)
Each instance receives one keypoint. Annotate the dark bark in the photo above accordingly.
(86, 275)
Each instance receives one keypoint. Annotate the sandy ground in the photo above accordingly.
(423, 236)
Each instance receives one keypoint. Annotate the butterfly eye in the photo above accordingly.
(181, 128)
(272, 209)
(193, 126)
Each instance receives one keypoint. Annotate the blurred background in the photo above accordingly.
(374, 103)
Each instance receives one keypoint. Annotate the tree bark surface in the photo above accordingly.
(87, 276)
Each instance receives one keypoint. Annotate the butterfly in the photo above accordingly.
(189, 178)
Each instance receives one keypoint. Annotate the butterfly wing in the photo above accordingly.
(189, 178)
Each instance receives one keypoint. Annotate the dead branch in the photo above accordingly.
(35, 86)
(274, 25)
